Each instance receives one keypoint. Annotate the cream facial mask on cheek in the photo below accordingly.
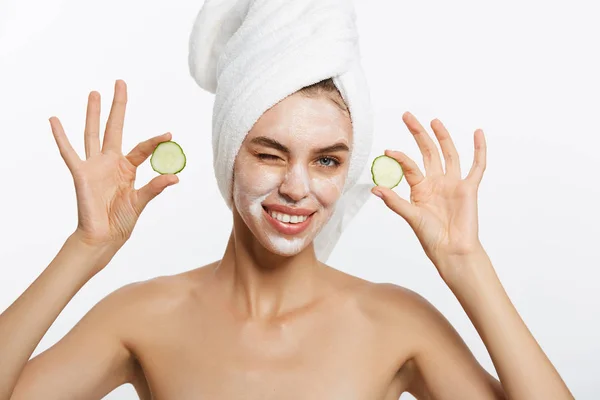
(252, 186)
(327, 189)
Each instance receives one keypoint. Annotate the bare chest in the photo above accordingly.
(218, 361)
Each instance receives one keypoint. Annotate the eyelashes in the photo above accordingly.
(329, 162)
(334, 162)
(267, 156)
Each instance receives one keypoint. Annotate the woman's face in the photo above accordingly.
(291, 170)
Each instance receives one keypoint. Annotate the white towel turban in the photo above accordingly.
(254, 53)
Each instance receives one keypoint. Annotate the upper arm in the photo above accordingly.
(89, 362)
(445, 368)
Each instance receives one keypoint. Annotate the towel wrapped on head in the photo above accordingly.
(254, 53)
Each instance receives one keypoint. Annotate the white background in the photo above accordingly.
(527, 72)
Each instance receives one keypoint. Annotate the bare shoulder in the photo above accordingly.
(390, 304)
(406, 316)
(137, 310)
(155, 297)
(434, 358)
(98, 353)
(414, 310)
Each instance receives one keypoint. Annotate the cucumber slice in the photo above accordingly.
(386, 172)
(168, 158)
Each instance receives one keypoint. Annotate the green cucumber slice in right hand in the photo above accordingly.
(168, 158)
(386, 172)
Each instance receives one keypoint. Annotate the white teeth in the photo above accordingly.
(293, 219)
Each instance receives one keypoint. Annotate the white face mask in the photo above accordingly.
(286, 197)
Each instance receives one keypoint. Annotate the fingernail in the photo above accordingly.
(378, 193)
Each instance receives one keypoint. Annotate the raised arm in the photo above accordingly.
(443, 213)
(90, 360)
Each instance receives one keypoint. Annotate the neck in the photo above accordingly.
(265, 285)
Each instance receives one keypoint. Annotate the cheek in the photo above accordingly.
(328, 189)
(252, 185)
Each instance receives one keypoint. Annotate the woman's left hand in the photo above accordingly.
(443, 207)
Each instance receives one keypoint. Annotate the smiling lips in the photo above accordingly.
(286, 220)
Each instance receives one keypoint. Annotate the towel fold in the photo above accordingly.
(254, 53)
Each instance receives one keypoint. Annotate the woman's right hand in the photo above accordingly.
(108, 205)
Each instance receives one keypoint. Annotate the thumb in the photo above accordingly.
(154, 188)
(397, 204)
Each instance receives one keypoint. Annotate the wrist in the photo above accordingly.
(85, 257)
(80, 239)
(463, 269)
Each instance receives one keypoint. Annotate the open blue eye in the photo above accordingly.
(329, 162)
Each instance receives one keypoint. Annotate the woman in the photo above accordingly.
(269, 321)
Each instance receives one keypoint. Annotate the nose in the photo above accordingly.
(296, 184)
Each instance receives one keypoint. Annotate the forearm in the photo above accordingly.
(524, 370)
(25, 322)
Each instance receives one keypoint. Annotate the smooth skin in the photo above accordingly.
(187, 337)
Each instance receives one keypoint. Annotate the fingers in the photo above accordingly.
(431, 156)
(113, 136)
(411, 170)
(397, 204)
(92, 126)
(448, 149)
(479, 160)
(154, 188)
(67, 152)
(144, 149)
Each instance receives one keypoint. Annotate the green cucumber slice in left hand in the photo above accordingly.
(168, 158)
(386, 172)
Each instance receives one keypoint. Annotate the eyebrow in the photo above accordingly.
(274, 144)
(268, 142)
(333, 148)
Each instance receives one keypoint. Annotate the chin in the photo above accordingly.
(286, 247)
